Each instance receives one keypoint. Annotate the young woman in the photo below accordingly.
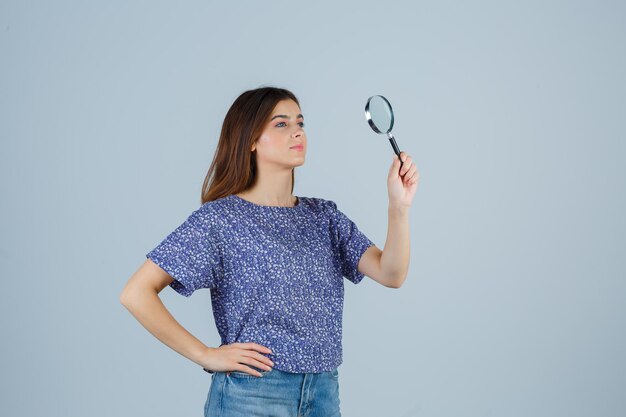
(274, 263)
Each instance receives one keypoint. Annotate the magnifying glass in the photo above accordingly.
(379, 115)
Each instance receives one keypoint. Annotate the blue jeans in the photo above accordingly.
(276, 393)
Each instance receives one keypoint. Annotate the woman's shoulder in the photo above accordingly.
(217, 203)
(320, 204)
(213, 211)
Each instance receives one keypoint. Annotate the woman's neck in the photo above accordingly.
(257, 197)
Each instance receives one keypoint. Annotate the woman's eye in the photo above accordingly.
(300, 123)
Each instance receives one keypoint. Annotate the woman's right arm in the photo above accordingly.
(141, 298)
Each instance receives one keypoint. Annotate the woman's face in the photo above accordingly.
(281, 134)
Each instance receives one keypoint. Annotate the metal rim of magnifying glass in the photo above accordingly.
(368, 115)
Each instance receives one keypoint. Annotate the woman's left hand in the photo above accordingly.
(402, 183)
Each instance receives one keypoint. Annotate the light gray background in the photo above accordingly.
(513, 111)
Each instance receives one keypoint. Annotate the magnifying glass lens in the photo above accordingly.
(379, 114)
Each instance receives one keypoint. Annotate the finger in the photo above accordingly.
(415, 177)
(256, 363)
(412, 172)
(395, 165)
(248, 370)
(256, 346)
(257, 356)
(406, 166)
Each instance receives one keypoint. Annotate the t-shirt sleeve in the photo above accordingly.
(349, 243)
(191, 253)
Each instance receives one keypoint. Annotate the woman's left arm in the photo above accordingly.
(390, 266)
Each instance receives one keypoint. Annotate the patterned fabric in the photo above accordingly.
(275, 274)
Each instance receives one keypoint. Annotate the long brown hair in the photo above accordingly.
(234, 164)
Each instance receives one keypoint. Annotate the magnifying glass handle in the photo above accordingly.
(394, 145)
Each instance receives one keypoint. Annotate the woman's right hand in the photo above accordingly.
(232, 357)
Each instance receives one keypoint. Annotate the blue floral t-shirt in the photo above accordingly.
(275, 274)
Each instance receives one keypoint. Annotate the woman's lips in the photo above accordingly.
(297, 148)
